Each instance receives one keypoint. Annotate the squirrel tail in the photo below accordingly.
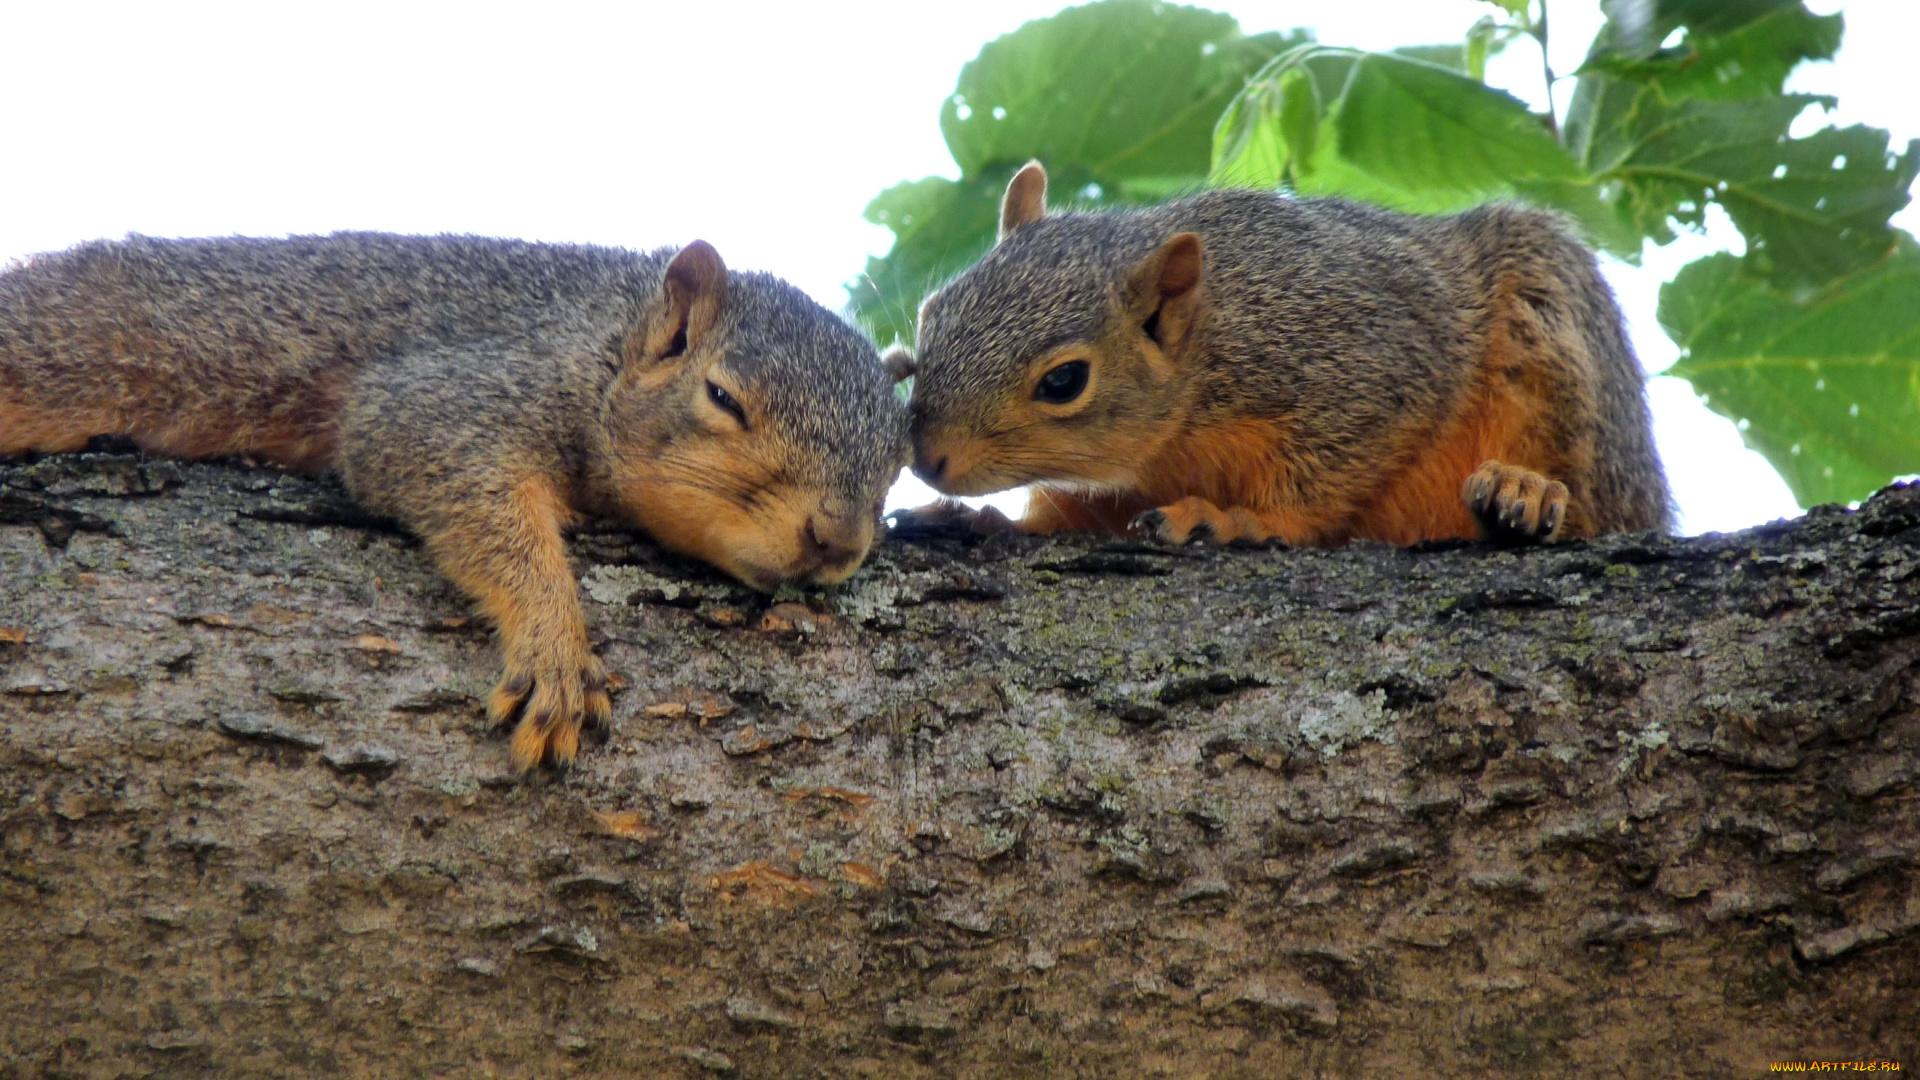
(1628, 487)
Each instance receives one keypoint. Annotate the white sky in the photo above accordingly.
(762, 128)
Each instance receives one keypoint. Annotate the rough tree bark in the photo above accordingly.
(1022, 807)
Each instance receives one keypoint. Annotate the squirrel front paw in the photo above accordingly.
(1514, 504)
(948, 518)
(553, 700)
(1194, 519)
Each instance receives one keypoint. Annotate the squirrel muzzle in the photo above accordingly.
(954, 464)
(832, 546)
(786, 536)
(929, 467)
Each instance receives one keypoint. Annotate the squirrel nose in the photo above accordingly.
(834, 542)
(930, 473)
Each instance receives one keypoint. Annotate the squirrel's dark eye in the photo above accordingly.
(1062, 384)
(725, 401)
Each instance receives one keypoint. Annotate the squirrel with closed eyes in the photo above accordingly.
(488, 394)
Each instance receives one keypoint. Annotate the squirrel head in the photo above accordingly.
(749, 426)
(1064, 355)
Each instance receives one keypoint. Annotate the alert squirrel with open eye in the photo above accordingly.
(1242, 365)
(487, 394)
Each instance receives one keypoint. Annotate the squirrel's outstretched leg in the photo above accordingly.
(508, 553)
(1512, 503)
(472, 478)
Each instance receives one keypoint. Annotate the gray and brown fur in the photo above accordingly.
(1330, 371)
(488, 394)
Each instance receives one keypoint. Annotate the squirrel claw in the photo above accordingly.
(1196, 521)
(1153, 525)
(553, 707)
(1161, 527)
(1514, 504)
(1550, 522)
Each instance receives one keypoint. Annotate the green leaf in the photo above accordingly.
(1402, 134)
(1118, 98)
(1670, 158)
(1812, 209)
(1453, 57)
(1421, 128)
(1826, 386)
(938, 225)
(1275, 123)
(1823, 210)
(1124, 88)
(1249, 149)
(1670, 131)
(1731, 48)
(1304, 80)
(1389, 129)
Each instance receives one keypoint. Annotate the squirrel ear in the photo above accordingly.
(1026, 199)
(691, 293)
(899, 363)
(1165, 288)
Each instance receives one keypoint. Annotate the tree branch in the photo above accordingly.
(1023, 806)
